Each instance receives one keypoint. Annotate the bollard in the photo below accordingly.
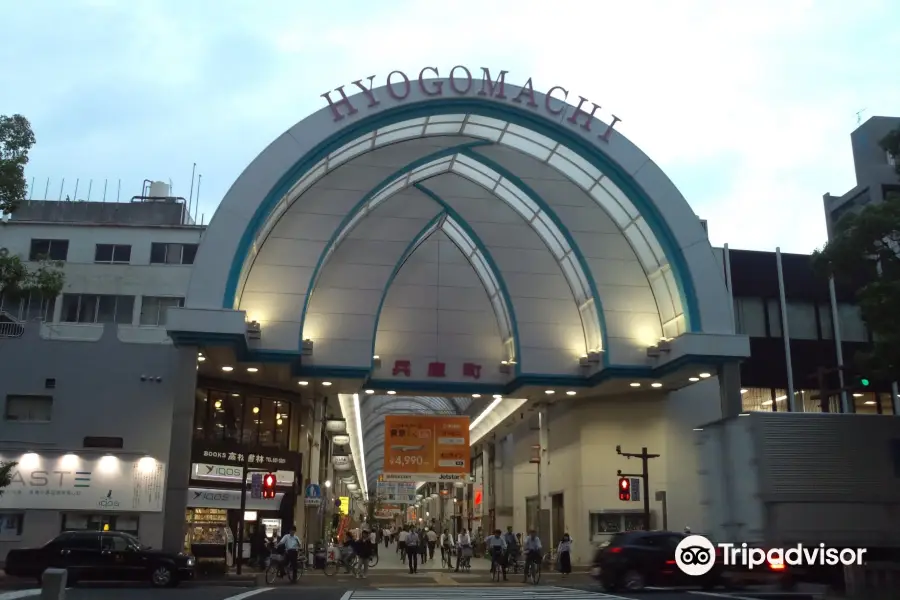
(53, 584)
(260, 580)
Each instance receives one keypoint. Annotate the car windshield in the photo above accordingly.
(132, 540)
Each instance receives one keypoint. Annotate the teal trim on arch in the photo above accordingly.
(443, 153)
(417, 241)
(492, 265)
(486, 108)
(576, 250)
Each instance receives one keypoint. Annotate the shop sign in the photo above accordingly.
(108, 483)
(229, 499)
(388, 511)
(313, 495)
(340, 460)
(396, 492)
(461, 82)
(478, 500)
(234, 474)
(426, 448)
(336, 426)
(235, 456)
(342, 466)
(341, 439)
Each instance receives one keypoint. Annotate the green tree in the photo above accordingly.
(17, 280)
(865, 251)
(6, 471)
(16, 139)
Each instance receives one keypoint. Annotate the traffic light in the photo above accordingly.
(624, 489)
(269, 482)
(864, 382)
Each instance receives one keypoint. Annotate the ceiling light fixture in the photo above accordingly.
(391, 392)
(228, 369)
(704, 375)
(498, 396)
(570, 393)
(370, 391)
(656, 385)
(744, 391)
(326, 383)
(252, 370)
(695, 379)
(635, 384)
(549, 392)
(476, 395)
(201, 358)
(302, 383)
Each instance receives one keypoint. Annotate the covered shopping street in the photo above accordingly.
(460, 245)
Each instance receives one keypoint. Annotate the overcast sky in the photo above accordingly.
(748, 106)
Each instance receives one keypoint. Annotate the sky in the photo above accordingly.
(747, 106)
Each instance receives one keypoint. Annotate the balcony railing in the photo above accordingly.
(10, 327)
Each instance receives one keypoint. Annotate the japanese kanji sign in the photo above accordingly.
(426, 448)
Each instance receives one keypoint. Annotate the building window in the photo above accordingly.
(153, 309)
(97, 308)
(31, 307)
(116, 254)
(773, 316)
(891, 159)
(29, 409)
(750, 317)
(616, 522)
(251, 421)
(49, 249)
(801, 318)
(172, 254)
(11, 525)
(853, 329)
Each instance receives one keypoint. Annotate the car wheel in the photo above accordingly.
(162, 576)
(633, 581)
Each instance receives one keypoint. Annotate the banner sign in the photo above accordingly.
(71, 482)
(210, 472)
(396, 492)
(388, 511)
(234, 455)
(426, 448)
(229, 499)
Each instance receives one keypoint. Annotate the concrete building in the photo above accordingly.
(876, 173)
(443, 248)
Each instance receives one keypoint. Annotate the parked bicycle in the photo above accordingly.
(279, 569)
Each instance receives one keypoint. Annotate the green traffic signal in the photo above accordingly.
(864, 382)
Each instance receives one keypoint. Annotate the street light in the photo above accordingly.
(327, 483)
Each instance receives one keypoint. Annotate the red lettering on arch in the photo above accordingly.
(406, 84)
(527, 90)
(549, 97)
(370, 95)
(609, 128)
(468, 80)
(438, 88)
(487, 82)
(573, 119)
(336, 106)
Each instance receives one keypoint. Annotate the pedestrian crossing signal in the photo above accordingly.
(624, 489)
(269, 482)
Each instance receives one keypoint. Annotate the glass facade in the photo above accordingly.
(239, 418)
(766, 399)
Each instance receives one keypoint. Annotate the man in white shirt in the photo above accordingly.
(401, 544)
(291, 544)
(533, 551)
(432, 538)
(446, 545)
(412, 550)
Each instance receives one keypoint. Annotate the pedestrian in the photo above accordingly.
(432, 542)
(412, 551)
(564, 555)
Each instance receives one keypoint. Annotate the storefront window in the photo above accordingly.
(755, 399)
(201, 414)
(221, 416)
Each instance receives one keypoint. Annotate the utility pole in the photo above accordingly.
(239, 551)
(644, 475)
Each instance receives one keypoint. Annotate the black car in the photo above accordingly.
(101, 556)
(637, 559)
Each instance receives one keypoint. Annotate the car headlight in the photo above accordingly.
(190, 561)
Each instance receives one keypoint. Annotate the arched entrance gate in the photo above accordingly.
(461, 236)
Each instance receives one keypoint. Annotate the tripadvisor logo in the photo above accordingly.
(695, 555)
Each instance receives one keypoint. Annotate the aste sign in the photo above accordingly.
(461, 81)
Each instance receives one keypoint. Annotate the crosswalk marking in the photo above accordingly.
(537, 592)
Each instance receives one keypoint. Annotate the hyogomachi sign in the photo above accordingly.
(460, 83)
(426, 448)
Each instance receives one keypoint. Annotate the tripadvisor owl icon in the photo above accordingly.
(695, 555)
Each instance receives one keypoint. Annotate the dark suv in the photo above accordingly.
(637, 559)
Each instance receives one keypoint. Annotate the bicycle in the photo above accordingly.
(465, 559)
(550, 558)
(496, 568)
(331, 567)
(373, 561)
(277, 569)
(533, 571)
(447, 555)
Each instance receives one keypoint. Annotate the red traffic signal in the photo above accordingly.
(269, 482)
(624, 489)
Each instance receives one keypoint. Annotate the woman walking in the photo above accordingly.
(564, 555)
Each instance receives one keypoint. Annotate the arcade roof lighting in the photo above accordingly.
(302, 383)
(227, 369)
(694, 379)
(252, 370)
(476, 395)
(704, 375)
(570, 393)
(391, 392)
(370, 392)
(656, 385)
(484, 413)
(326, 383)
(635, 384)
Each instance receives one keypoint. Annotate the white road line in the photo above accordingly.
(346, 595)
(461, 593)
(20, 594)
(243, 595)
(717, 595)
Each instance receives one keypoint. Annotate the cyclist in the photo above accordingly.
(464, 543)
(532, 550)
(291, 544)
(496, 545)
(512, 547)
(363, 550)
(446, 545)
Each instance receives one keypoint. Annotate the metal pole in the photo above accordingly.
(61, 185)
(105, 183)
(31, 190)
(47, 189)
(90, 187)
(191, 196)
(239, 551)
(75, 194)
(726, 257)
(786, 334)
(646, 477)
(838, 344)
(119, 191)
(895, 399)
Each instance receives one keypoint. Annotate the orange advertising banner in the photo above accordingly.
(426, 448)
